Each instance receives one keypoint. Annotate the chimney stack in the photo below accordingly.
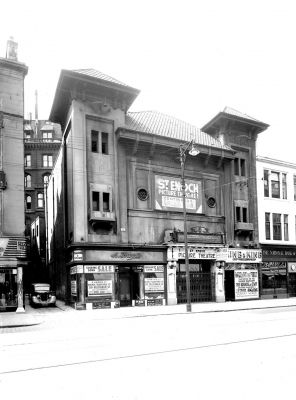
(11, 49)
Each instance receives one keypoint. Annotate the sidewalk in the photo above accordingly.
(29, 318)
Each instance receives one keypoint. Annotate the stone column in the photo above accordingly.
(20, 290)
(219, 280)
(171, 283)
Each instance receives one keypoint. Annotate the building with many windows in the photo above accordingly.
(116, 201)
(276, 188)
(42, 141)
(13, 249)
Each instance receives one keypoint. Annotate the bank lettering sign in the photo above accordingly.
(168, 194)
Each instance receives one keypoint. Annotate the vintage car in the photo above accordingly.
(41, 295)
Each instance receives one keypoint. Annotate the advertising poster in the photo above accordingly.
(154, 285)
(168, 194)
(246, 284)
(73, 288)
(99, 288)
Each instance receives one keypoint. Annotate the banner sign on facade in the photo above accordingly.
(99, 269)
(246, 284)
(99, 288)
(239, 255)
(168, 194)
(154, 285)
(153, 268)
(76, 269)
(194, 253)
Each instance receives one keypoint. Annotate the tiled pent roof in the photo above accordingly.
(232, 111)
(99, 75)
(156, 123)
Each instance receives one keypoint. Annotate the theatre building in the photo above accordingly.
(115, 213)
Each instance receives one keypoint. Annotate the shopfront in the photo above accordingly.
(278, 271)
(130, 281)
(205, 270)
(12, 261)
(242, 268)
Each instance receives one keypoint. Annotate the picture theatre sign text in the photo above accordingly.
(168, 194)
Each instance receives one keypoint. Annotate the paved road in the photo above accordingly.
(234, 355)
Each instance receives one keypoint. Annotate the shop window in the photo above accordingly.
(28, 181)
(47, 160)
(274, 277)
(28, 202)
(28, 161)
(40, 200)
(240, 166)
(276, 226)
(267, 226)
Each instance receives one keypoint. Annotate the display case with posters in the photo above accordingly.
(154, 284)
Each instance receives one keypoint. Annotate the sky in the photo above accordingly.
(189, 59)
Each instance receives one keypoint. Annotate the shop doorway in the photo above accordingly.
(128, 286)
(229, 285)
(202, 283)
(292, 285)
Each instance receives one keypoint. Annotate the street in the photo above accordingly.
(226, 355)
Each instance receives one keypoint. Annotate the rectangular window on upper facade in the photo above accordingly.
(276, 226)
(104, 143)
(47, 136)
(266, 183)
(294, 182)
(28, 161)
(99, 142)
(96, 201)
(275, 184)
(286, 227)
(94, 141)
(47, 160)
(267, 226)
(241, 214)
(240, 167)
(284, 186)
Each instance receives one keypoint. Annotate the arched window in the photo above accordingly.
(40, 200)
(45, 179)
(28, 181)
(28, 202)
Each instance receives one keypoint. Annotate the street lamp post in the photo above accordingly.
(193, 151)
